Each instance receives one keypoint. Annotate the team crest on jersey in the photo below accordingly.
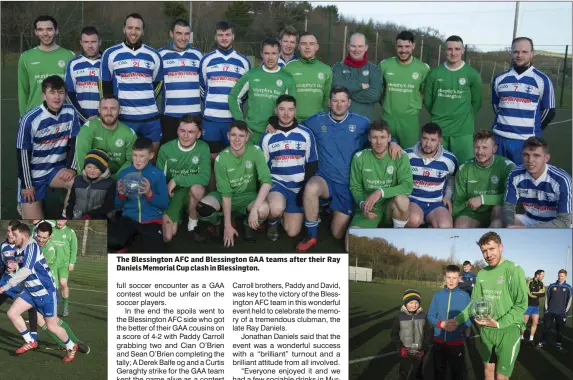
(415, 75)
(147, 64)
(62, 63)
(462, 81)
(495, 180)
(195, 160)
(500, 280)
(279, 83)
(249, 164)
(64, 236)
(237, 70)
(321, 76)
(390, 169)
(352, 128)
(173, 159)
(365, 73)
(119, 143)
(323, 128)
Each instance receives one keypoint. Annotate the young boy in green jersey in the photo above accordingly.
(502, 282)
(237, 169)
(480, 185)
(186, 163)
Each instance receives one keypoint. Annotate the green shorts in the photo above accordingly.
(484, 218)
(63, 272)
(504, 344)
(405, 128)
(381, 211)
(177, 204)
(239, 202)
(461, 146)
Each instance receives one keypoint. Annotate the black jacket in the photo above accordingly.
(91, 198)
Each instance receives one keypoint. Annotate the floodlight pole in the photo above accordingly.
(191, 22)
(453, 249)
(516, 18)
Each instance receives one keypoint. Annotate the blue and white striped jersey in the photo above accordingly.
(133, 73)
(543, 198)
(9, 252)
(287, 153)
(82, 78)
(431, 174)
(520, 101)
(218, 73)
(47, 137)
(40, 282)
(181, 91)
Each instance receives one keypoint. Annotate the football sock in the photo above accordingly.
(71, 334)
(399, 223)
(311, 228)
(27, 337)
(65, 302)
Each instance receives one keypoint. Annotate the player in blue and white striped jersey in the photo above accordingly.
(543, 190)
(181, 93)
(45, 145)
(133, 72)
(433, 169)
(523, 99)
(219, 71)
(82, 75)
(292, 157)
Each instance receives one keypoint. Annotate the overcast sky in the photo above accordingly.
(478, 23)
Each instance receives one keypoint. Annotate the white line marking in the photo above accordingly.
(562, 121)
(88, 304)
(89, 290)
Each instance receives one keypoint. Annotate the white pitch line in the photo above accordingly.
(559, 122)
(88, 304)
(89, 290)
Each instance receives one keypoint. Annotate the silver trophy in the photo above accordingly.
(482, 309)
(133, 184)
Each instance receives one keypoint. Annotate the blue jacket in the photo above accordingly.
(446, 304)
(558, 298)
(467, 282)
(140, 208)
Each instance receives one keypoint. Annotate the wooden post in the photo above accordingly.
(493, 71)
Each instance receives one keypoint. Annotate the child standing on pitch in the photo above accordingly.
(412, 334)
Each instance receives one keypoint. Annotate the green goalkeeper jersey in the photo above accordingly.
(504, 285)
(186, 166)
(453, 97)
(34, 66)
(117, 143)
(403, 86)
(488, 183)
(238, 175)
(66, 243)
(262, 88)
(369, 173)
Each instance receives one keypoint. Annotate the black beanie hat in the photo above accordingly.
(99, 158)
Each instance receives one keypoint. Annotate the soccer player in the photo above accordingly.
(288, 39)
(433, 169)
(480, 185)
(106, 133)
(186, 163)
(66, 242)
(133, 72)
(536, 290)
(543, 190)
(219, 71)
(45, 148)
(379, 184)
(237, 169)
(181, 94)
(262, 86)
(37, 64)
(292, 157)
(452, 95)
(502, 282)
(313, 78)
(362, 78)
(82, 75)
(523, 100)
(557, 305)
(404, 77)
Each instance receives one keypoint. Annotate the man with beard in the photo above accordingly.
(292, 158)
(404, 77)
(82, 75)
(362, 78)
(452, 95)
(543, 190)
(133, 72)
(181, 94)
(186, 163)
(523, 99)
(262, 86)
(288, 39)
(433, 169)
(219, 71)
(108, 134)
(480, 185)
(37, 64)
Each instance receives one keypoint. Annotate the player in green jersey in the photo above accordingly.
(480, 185)
(106, 133)
(237, 169)
(262, 86)
(66, 243)
(403, 77)
(313, 78)
(379, 184)
(502, 282)
(40, 62)
(186, 163)
(452, 95)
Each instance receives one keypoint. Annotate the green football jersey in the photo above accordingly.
(403, 86)
(49, 252)
(505, 286)
(66, 243)
(313, 81)
(453, 97)
(187, 166)
(369, 173)
(117, 143)
(237, 175)
(34, 66)
(488, 183)
(262, 87)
